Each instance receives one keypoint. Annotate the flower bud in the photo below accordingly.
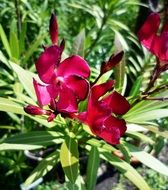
(53, 29)
(35, 110)
(51, 117)
(112, 62)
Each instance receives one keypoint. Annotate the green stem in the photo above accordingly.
(104, 20)
(17, 9)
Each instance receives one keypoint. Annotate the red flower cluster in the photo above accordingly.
(149, 38)
(101, 111)
(64, 84)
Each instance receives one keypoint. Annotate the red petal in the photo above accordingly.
(149, 30)
(45, 93)
(113, 122)
(111, 130)
(66, 101)
(160, 47)
(165, 27)
(47, 63)
(99, 90)
(78, 85)
(74, 65)
(53, 29)
(117, 103)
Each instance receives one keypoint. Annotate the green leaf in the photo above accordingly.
(43, 168)
(26, 79)
(69, 157)
(5, 41)
(140, 136)
(119, 70)
(36, 138)
(119, 41)
(92, 168)
(147, 159)
(141, 117)
(22, 37)
(104, 77)
(79, 184)
(79, 45)
(14, 45)
(157, 130)
(33, 47)
(8, 105)
(8, 127)
(3, 59)
(125, 152)
(7, 146)
(126, 169)
(146, 105)
(136, 87)
(100, 144)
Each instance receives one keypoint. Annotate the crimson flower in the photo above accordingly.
(64, 83)
(101, 113)
(156, 44)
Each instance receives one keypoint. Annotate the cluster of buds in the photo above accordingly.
(64, 84)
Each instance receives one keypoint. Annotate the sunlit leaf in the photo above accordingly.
(26, 78)
(31, 140)
(147, 159)
(8, 105)
(126, 169)
(5, 41)
(141, 117)
(69, 157)
(14, 45)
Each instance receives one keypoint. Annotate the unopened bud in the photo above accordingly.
(35, 110)
(51, 117)
(53, 29)
(112, 62)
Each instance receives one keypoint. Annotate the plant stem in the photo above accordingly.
(17, 9)
(97, 37)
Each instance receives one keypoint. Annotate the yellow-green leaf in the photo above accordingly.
(69, 157)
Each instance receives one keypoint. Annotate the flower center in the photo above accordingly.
(59, 80)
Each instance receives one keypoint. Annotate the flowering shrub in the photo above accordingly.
(66, 86)
(78, 109)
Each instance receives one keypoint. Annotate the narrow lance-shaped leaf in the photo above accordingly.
(127, 170)
(119, 71)
(26, 78)
(141, 117)
(33, 47)
(43, 168)
(8, 105)
(147, 159)
(5, 41)
(79, 44)
(31, 140)
(125, 152)
(22, 37)
(14, 45)
(92, 168)
(136, 87)
(69, 157)
(163, 133)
